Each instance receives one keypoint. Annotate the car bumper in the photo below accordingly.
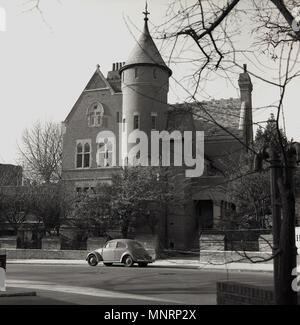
(144, 260)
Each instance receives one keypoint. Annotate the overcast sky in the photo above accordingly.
(44, 69)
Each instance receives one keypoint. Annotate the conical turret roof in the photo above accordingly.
(145, 52)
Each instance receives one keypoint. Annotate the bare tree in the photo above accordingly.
(50, 205)
(14, 207)
(211, 33)
(41, 152)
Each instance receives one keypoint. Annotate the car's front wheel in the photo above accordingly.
(92, 260)
(128, 261)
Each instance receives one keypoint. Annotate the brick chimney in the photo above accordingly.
(113, 76)
(246, 122)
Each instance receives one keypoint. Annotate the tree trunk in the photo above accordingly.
(287, 257)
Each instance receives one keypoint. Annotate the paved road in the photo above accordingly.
(82, 284)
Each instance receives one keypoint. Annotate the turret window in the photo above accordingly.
(83, 154)
(154, 74)
(153, 121)
(95, 115)
(136, 72)
(136, 122)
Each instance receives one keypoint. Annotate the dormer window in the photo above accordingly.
(95, 115)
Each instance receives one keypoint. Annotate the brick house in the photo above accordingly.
(134, 95)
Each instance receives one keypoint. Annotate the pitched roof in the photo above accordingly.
(208, 115)
(145, 52)
(98, 81)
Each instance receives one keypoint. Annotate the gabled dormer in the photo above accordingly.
(98, 109)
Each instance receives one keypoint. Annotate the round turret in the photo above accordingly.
(145, 86)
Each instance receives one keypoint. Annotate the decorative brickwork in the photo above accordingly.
(234, 293)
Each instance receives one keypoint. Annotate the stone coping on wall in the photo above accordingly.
(225, 257)
(16, 254)
(49, 254)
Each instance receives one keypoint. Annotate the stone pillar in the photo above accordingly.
(51, 243)
(150, 243)
(265, 243)
(212, 242)
(95, 243)
(216, 213)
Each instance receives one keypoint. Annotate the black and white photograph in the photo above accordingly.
(150, 155)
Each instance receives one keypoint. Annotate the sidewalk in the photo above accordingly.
(177, 263)
(14, 292)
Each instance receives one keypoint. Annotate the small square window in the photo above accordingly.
(136, 122)
(153, 122)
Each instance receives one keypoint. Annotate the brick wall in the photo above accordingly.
(234, 293)
(23, 254)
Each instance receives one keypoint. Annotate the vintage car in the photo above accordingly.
(125, 251)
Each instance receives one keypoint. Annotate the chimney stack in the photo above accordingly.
(246, 122)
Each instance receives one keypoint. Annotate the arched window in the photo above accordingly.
(83, 154)
(87, 154)
(95, 115)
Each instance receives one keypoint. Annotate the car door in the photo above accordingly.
(119, 250)
(108, 251)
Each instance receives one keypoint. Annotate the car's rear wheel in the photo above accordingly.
(92, 260)
(143, 264)
(108, 264)
(128, 261)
